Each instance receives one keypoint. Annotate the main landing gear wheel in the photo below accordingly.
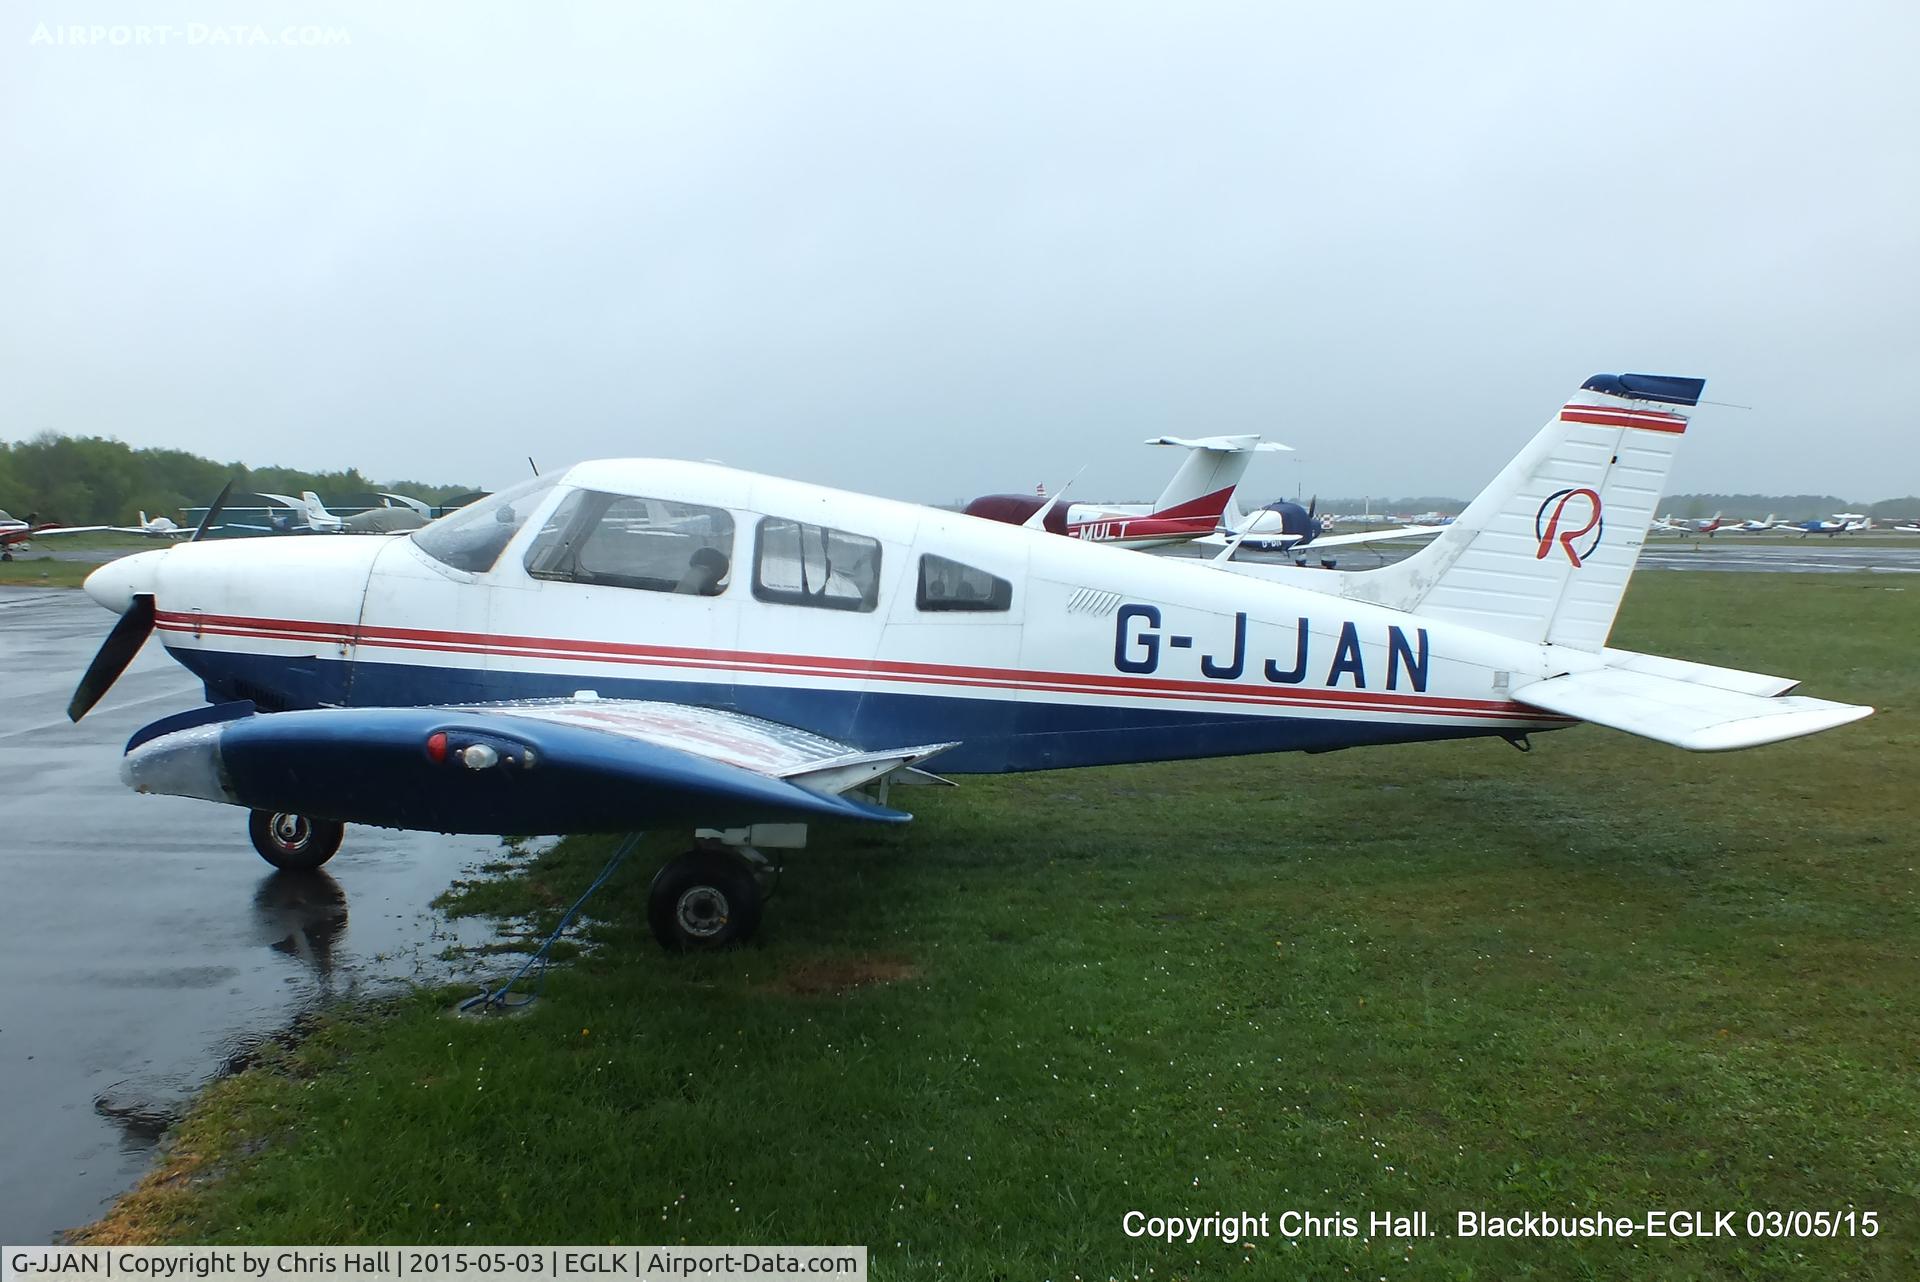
(294, 843)
(703, 901)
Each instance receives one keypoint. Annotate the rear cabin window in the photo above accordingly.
(950, 585)
(616, 540)
(799, 564)
(471, 538)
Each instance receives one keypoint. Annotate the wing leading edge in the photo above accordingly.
(558, 766)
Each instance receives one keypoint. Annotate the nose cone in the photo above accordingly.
(116, 583)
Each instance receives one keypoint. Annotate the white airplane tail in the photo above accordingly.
(316, 510)
(1544, 554)
(1211, 473)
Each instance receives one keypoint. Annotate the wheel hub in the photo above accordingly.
(702, 911)
(291, 831)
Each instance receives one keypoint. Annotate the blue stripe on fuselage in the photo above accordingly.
(995, 735)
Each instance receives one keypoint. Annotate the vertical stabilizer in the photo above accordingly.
(1544, 554)
(1211, 472)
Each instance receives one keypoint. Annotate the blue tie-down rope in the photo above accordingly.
(498, 999)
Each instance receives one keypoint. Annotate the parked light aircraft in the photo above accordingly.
(382, 520)
(311, 511)
(1711, 525)
(640, 643)
(1757, 527)
(17, 535)
(159, 527)
(1289, 527)
(1843, 523)
(1667, 525)
(401, 515)
(1191, 505)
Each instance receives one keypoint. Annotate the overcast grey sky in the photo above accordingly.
(935, 251)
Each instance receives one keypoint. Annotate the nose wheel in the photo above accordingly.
(703, 901)
(292, 842)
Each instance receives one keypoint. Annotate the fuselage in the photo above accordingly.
(908, 625)
(1135, 526)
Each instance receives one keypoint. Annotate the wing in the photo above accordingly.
(48, 531)
(557, 766)
(1376, 536)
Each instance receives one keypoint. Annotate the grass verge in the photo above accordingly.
(1607, 976)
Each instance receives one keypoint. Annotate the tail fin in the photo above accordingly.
(1544, 554)
(1205, 483)
(314, 506)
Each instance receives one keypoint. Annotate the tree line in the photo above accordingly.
(95, 480)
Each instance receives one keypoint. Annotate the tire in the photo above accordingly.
(704, 901)
(294, 843)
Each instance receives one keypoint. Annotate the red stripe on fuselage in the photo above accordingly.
(422, 639)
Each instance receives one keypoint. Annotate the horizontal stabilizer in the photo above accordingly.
(1226, 444)
(1687, 714)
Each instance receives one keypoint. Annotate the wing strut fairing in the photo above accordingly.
(530, 768)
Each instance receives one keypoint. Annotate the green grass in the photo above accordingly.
(45, 572)
(1606, 976)
(38, 569)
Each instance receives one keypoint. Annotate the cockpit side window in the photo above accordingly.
(951, 585)
(617, 540)
(812, 565)
(473, 537)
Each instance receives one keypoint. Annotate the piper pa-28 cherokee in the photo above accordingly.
(635, 643)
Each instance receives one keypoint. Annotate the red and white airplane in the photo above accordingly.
(630, 644)
(17, 535)
(1712, 525)
(1192, 506)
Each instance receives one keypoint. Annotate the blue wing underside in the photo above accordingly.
(558, 766)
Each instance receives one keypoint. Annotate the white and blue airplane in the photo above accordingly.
(638, 643)
(1842, 523)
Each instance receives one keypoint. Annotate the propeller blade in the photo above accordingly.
(116, 652)
(206, 523)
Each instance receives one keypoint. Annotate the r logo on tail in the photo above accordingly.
(1553, 514)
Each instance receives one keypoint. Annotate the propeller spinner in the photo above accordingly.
(119, 585)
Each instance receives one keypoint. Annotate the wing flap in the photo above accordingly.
(1686, 714)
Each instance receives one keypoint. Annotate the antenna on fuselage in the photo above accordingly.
(535, 466)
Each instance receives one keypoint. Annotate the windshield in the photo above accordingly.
(472, 538)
